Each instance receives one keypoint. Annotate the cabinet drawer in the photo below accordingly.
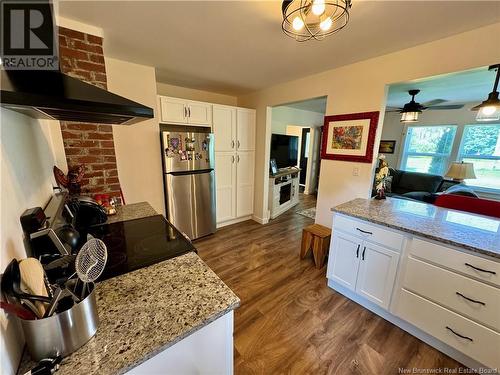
(435, 319)
(477, 267)
(442, 286)
(368, 231)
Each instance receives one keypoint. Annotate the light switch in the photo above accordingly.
(355, 171)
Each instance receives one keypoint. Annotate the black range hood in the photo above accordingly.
(53, 95)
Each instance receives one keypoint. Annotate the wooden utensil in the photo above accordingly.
(32, 278)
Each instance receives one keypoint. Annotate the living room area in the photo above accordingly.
(438, 146)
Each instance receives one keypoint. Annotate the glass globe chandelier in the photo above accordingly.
(314, 19)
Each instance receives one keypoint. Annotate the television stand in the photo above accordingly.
(283, 190)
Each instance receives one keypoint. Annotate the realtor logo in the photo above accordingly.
(29, 41)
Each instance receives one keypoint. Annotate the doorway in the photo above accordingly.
(304, 155)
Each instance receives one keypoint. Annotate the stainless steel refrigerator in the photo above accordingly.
(189, 177)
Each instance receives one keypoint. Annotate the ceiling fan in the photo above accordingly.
(410, 111)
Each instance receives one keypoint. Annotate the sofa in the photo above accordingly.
(412, 185)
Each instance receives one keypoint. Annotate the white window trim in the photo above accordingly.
(461, 156)
(404, 155)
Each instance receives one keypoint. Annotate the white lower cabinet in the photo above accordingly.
(377, 272)
(225, 165)
(343, 262)
(362, 266)
(244, 183)
(447, 297)
(472, 339)
(206, 351)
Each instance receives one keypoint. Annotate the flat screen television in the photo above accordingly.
(285, 150)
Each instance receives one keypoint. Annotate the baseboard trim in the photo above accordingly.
(411, 329)
(260, 220)
(234, 221)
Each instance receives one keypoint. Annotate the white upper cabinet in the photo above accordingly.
(224, 128)
(182, 111)
(245, 120)
(173, 110)
(199, 113)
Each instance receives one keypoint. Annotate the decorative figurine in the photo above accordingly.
(72, 180)
(380, 177)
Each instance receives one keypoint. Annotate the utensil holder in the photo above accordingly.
(63, 333)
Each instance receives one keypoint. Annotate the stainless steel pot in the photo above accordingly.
(62, 334)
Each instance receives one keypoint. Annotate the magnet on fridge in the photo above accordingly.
(204, 145)
(182, 155)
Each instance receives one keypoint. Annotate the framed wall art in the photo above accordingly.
(349, 137)
(387, 147)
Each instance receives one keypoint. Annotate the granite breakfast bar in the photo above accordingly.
(176, 308)
(433, 272)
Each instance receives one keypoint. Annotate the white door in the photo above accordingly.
(245, 120)
(199, 113)
(377, 272)
(224, 128)
(225, 183)
(173, 110)
(245, 184)
(343, 262)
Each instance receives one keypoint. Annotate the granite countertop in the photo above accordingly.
(131, 212)
(146, 311)
(473, 232)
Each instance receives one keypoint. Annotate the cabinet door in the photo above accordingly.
(173, 110)
(245, 184)
(225, 182)
(245, 120)
(343, 262)
(224, 128)
(377, 273)
(199, 113)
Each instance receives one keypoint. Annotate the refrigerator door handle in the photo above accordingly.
(187, 173)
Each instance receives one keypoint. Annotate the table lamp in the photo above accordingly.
(460, 171)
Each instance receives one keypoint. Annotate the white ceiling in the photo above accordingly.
(462, 87)
(235, 47)
(317, 105)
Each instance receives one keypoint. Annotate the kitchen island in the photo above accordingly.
(173, 316)
(434, 272)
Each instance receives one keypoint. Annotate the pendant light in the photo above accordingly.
(314, 19)
(412, 109)
(489, 110)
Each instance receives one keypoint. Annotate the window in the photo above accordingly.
(427, 149)
(481, 146)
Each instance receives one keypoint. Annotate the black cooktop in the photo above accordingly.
(139, 243)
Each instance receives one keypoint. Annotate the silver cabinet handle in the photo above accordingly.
(232, 144)
(232, 159)
(238, 158)
(238, 143)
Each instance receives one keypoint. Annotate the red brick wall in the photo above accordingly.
(81, 56)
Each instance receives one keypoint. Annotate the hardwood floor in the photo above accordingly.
(289, 321)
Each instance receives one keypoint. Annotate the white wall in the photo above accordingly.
(361, 87)
(284, 116)
(137, 146)
(26, 157)
(193, 94)
(394, 130)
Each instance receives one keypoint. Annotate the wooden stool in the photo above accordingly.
(317, 238)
